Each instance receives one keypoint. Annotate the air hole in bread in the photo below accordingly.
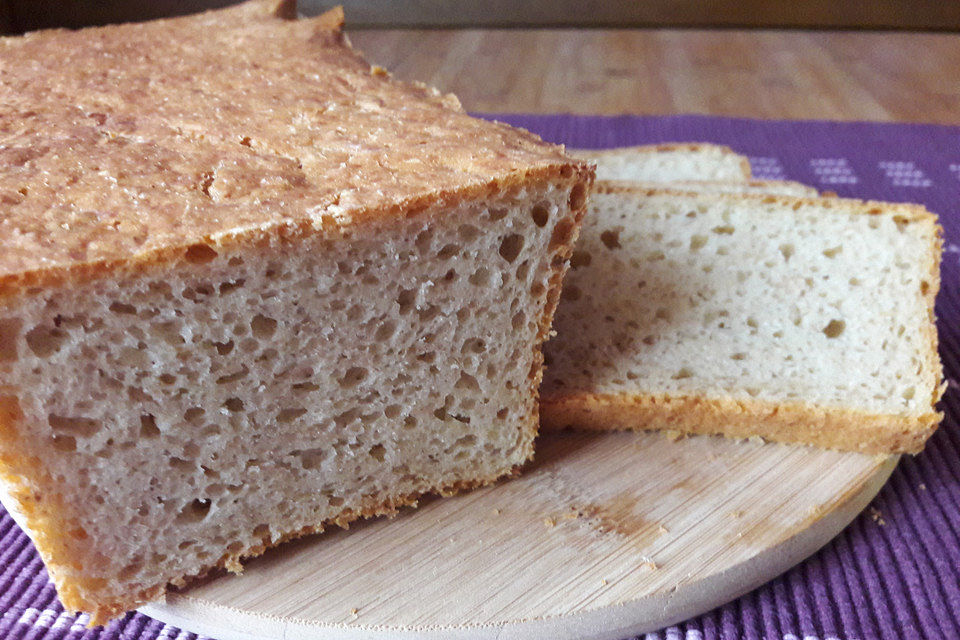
(833, 252)
(698, 241)
(787, 250)
(234, 405)
(724, 230)
(263, 327)
(429, 313)
(469, 233)
(64, 443)
(148, 426)
(182, 465)
(235, 376)
(45, 341)
(448, 251)
(310, 458)
(468, 382)
(305, 387)
(120, 307)
(511, 246)
(378, 452)
(231, 286)
(194, 511)
(424, 241)
(540, 214)
(578, 196)
(610, 238)
(290, 414)
(473, 345)
(168, 331)
(406, 300)
(224, 348)
(580, 258)
(392, 411)
(561, 233)
(75, 426)
(834, 328)
(345, 418)
(655, 256)
(199, 254)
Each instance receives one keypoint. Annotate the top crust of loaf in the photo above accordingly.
(124, 146)
(908, 212)
(645, 149)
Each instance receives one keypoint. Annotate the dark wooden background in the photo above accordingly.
(21, 15)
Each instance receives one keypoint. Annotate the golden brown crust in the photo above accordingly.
(908, 211)
(798, 423)
(231, 127)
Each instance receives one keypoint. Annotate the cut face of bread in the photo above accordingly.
(221, 329)
(669, 163)
(796, 320)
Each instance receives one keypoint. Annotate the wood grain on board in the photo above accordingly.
(885, 76)
(604, 535)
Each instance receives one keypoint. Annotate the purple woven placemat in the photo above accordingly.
(894, 572)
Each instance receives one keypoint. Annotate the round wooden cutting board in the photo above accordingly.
(604, 536)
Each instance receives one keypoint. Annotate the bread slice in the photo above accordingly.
(250, 286)
(768, 187)
(669, 163)
(796, 320)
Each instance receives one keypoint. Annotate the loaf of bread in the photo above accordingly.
(251, 286)
(669, 163)
(795, 320)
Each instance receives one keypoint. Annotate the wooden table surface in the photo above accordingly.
(883, 76)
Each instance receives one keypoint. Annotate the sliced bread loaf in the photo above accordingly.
(249, 287)
(797, 320)
(669, 163)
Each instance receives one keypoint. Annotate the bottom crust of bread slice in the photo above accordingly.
(796, 320)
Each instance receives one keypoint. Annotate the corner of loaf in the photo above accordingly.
(220, 330)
